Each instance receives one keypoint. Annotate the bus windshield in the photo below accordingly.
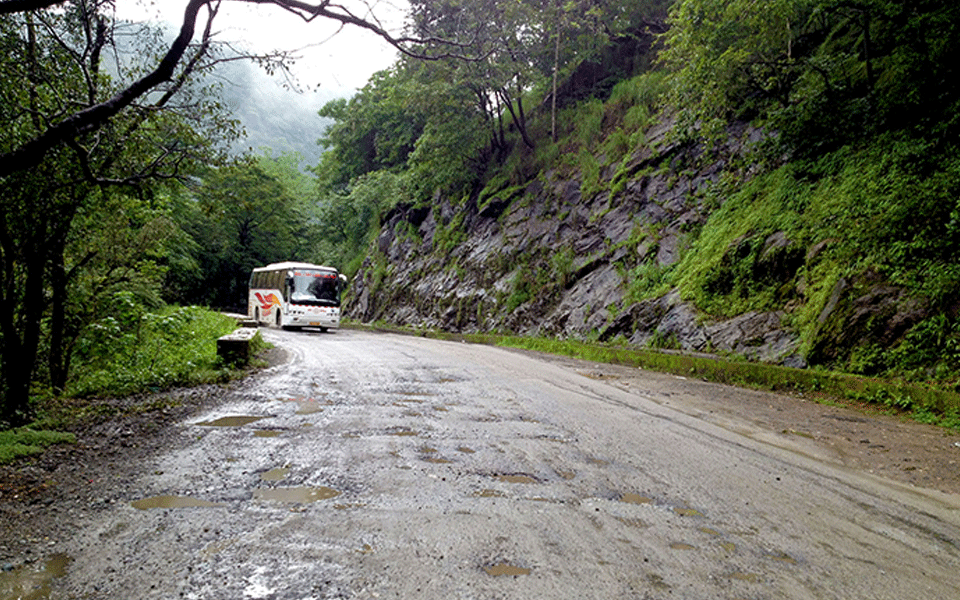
(317, 288)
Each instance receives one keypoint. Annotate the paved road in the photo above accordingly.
(383, 466)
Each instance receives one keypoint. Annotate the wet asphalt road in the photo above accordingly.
(383, 466)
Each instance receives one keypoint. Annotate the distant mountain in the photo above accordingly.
(275, 116)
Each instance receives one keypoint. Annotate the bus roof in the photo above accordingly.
(282, 266)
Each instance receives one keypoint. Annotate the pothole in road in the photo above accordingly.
(308, 407)
(404, 433)
(171, 502)
(277, 474)
(505, 570)
(32, 582)
(266, 433)
(232, 421)
(682, 546)
(295, 495)
(635, 499)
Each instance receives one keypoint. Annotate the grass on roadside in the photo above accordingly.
(17, 443)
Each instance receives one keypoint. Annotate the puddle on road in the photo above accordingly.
(635, 499)
(709, 531)
(682, 546)
(308, 407)
(506, 570)
(295, 495)
(466, 450)
(437, 460)
(171, 502)
(32, 582)
(688, 512)
(517, 479)
(266, 433)
(783, 557)
(404, 433)
(234, 421)
(366, 549)
(277, 474)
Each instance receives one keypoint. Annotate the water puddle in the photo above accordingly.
(466, 450)
(404, 433)
(171, 502)
(277, 474)
(437, 460)
(32, 582)
(688, 512)
(748, 577)
(682, 546)
(783, 557)
(709, 531)
(266, 433)
(234, 421)
(488, 493)
(517, 479)
(308, 407)
(295, 495)
(635, 499)
(506, 570)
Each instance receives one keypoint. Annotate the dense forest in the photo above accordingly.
(794, 158)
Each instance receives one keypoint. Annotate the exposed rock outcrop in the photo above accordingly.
(550, 260)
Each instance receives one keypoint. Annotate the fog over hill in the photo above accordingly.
(274, 115)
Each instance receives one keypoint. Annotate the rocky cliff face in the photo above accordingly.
(548, 260)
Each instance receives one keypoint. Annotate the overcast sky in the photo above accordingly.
(333, 63)
(338, 62)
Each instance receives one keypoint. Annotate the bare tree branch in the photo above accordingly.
(9, 7)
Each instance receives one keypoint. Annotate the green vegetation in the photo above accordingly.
(134, 350)
(17, 443)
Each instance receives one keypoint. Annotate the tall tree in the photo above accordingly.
(822, 72)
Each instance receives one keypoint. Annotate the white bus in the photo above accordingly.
(295, 294)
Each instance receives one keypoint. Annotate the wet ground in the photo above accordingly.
(381, 466)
